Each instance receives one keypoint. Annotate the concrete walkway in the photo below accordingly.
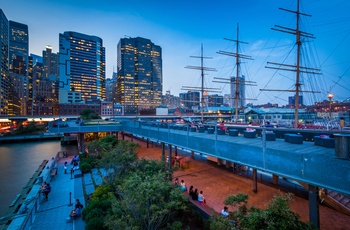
(53, 214)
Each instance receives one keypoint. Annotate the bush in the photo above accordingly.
(85, 167)
(95, 214)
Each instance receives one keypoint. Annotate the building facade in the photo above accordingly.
(215, 100)
(170, 101)
(240, 93)
(18, 47)
(291, 101)
(81, 65)
(139, 81)
(4, 64)
(190, 99)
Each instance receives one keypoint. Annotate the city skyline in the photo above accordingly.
(181, 29)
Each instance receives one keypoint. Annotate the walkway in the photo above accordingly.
(218, 182)
(52, 214)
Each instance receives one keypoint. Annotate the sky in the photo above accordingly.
(182, 27)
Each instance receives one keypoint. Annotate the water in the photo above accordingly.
(18, 162)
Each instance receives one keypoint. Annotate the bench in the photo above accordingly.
(53, 173)
(210, 130)
(249, 134)
(233, 132)
(270, 136)
(293, 138)
(327, 142)
(221, 132)
(193, 129)
(204, 210)
(201, 130)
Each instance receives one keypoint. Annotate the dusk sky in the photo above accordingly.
(180, 27)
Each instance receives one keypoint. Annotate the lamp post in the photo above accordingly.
(330, 96)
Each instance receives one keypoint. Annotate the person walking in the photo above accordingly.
(46, 191)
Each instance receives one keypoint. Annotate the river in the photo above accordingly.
(19, 161)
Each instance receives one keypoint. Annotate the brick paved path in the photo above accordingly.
(217, 183)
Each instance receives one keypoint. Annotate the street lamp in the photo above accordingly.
(330, 96)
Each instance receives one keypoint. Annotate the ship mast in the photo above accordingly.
(237, 81)
(295, 68)
(202, 89)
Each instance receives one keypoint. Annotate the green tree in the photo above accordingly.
(105, 144)
(119, 161)
(278, 215)
(88, 114)
(147, 200)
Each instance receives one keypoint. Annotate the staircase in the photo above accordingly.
(336, 200)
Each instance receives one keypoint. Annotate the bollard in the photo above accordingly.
(70, 199)
(71, 172)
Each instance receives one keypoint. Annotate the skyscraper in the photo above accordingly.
(81, 66)
(50, 73)
(139, 82)
(18, 65)
(50, 63)
(18, 47)
(4, 60)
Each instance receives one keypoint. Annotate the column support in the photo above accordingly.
(275, 179)
(255, 180)
(170, 159)
(163, 151)
(81, 139)
(314, 212)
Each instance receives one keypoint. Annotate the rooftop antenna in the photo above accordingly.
(202, 88)
(237, 81)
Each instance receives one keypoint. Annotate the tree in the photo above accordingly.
(104, 144)
(147, 200)
(88, 114)
(278, 214)
(119, 161)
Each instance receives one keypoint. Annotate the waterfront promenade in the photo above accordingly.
(53, 214)
(216, 183)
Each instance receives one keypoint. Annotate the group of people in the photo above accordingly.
(193, 193)
(45, 189)
(197, 196)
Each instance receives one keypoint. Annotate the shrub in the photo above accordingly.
(85, 167)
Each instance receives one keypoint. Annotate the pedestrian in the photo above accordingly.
(195, 195)
(71, 172)
(176, 181)
(46, 191)
(183, 185)
(190, 191)
(201, 198)
(224, 212)
(76, 211)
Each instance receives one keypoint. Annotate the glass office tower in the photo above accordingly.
(18, 48)
(4, 60)
(139, 82)
(81, 66)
